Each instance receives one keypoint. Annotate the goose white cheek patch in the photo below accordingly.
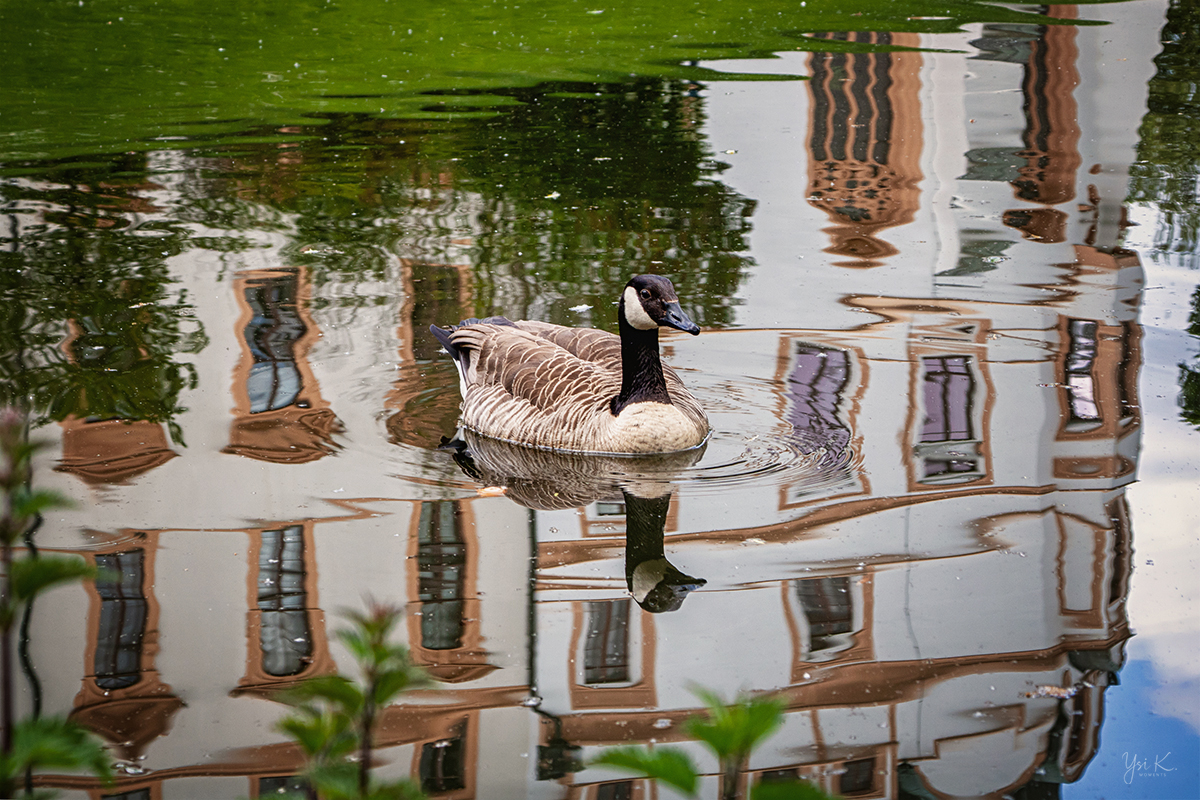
(634, 313)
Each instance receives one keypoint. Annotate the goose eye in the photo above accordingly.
(645, 293)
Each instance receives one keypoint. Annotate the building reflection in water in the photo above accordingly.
(942, 612)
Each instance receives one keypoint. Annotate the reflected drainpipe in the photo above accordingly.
(35, 684)
(558, 757)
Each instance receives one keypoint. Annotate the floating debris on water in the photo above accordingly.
(1059, 692)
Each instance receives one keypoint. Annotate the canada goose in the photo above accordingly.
(579, 389)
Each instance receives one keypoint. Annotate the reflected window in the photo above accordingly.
(829, 611)
(852, 116)
(441, 575)
(606, 648)
(1079, 380)
(285, 636)
(274, 329)
(948, 388)
(860, 173)
(622, 790)
(123, 612)
(609, 509)
(814, 389)
(859, 777)
(1127, 371)
(442, 766)
(948, 448)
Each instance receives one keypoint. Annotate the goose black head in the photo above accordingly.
(649, 301)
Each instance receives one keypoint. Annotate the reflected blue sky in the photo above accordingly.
(1136, 738)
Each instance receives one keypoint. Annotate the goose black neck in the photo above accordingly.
(641, 370)
(645, 524)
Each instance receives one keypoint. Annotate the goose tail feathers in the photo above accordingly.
(443, 337)
(460, 353)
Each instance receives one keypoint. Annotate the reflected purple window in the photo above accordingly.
(814, 391)
(949, 386)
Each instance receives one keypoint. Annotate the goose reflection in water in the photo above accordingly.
(547, 480)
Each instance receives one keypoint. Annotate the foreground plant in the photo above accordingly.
(335, 718)
(47, 742)
(731, 731)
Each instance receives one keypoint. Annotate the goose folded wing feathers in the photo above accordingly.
(535, 369)
(588, 344)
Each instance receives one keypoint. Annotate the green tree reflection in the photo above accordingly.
(1189, 374)
(1168, 153)
(1167, 172)
(585, 185)
(568, 190)
(89, 327)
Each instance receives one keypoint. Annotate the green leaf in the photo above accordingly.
(33, 575)
(54, 743)
(788, 790)
(323, 735)
(335, 690)
(329, 709)
(358, 646)
(336, 781)
(31, 503)
(394, 682)
(670, 765)
(760, 717)
(733, 730)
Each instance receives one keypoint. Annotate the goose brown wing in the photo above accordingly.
(536, 369)
(588, 344)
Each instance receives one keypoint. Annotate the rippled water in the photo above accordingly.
(947, 509)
